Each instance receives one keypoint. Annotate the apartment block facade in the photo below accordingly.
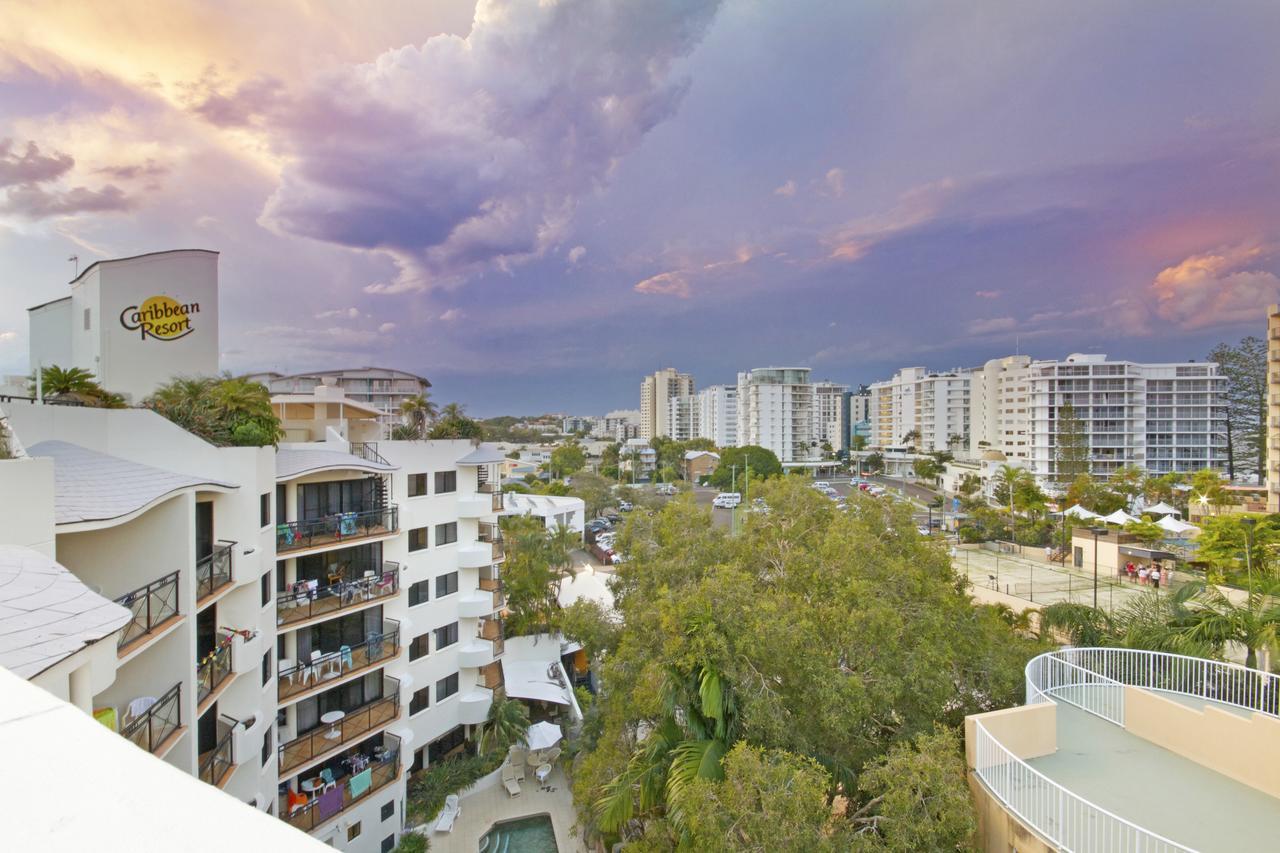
(831, 417)
(1273, 409)
(656, 392)
(929, 411)
(718, 414)
(777, 410)
(682, 417)
(383, 388)
(1157, 417)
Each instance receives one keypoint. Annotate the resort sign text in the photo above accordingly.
(160, 317)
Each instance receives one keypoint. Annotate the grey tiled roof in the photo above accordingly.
(293, 463)
(46, 613)
(485, 454)
(93, 486)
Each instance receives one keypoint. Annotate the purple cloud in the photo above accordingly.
(464, 155)
(30, 166)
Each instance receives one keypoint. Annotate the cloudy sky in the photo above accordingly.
(534, 202)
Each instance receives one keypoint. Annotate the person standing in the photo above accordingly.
(1155, 576)
(1142, 575)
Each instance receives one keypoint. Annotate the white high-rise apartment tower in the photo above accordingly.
(656, 392)
(933, 406)
(776, 410)
(718, 414)
(829, 413)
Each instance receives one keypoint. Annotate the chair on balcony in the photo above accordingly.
(312, 670)
(296, 801)
(345, 659)
(386, 583)
(326, 775)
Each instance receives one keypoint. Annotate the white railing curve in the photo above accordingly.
(1094, 679)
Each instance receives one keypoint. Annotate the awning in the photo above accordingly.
(530, 679)
(1175, 526)
(1080, 512)
(1118, 517)
(1163, 508)
(1148, 553)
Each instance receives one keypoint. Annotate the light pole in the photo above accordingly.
(1095, 531)
(1248, 523)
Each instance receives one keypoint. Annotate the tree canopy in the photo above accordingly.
(1245, 403)
(761, 461)
(223, 410)
(820, 637)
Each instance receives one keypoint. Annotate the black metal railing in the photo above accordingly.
(304, 602)
(382, 767)
(215, 764)
(150, 606)
(368, 451)
(155, 725)
(355, 723)
(492, 534)
(494, 491)
(304, 675)
(212, 671)
(214, 571)
(336, 528)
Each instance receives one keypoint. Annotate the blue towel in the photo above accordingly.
(361, 782)
(347, 524)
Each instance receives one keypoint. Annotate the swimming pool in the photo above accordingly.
(533, 834)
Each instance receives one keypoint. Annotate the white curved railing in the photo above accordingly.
(1094, 681)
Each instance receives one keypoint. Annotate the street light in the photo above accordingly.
(1095, 531)
(1248, 523)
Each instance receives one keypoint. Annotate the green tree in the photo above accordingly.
(1128, 483)
(926, 468)
(453, 423)
(566, 460)
(1207, 489)
(857, 443)
(1146, 530)
(594, 490)
(507, 724)
(537, 560)
(762, 462)
(970, 485)
(1071, 448)
(418, 412)
(223, 410)
(74, 383)
(1244, 404)
(874, 463)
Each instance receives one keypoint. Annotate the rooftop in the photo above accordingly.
(90, 486)
(46, 613)
(293, 462)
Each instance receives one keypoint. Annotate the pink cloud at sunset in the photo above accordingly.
(1216, 288)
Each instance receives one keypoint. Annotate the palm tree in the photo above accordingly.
(418, 411)
(453, 412)
(1216, 621)
(65, 380)
(507, 724)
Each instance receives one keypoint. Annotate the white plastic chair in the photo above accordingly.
(449, 814)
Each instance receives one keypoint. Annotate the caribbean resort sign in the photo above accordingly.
(160, 317)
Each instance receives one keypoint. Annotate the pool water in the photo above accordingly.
(527, 835)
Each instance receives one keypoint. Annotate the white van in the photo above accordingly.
(726, 500)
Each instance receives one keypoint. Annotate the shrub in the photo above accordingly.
(428, 789)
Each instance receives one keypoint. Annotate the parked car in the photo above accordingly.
(821, 484)
(726, 500)
(625, 506)
(666, 488)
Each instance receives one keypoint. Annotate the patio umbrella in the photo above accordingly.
(1163, 508)
(1175, 526)
(543, 735)
(1080, 512)
(1118, 517)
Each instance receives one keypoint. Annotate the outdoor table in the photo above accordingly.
(312, 785)
(331, 719)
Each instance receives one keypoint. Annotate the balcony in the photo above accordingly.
(216, 764)
(213, 573)
(480, 602)
(473, 706)
(383, 769)
(306, 603)
(357, 723)
(494, 491)
(156, 729)
(340, 529)
(475, 555)
(492, 534)
(296, 679)
(475, 652)
(212, 672)
(491, 630)
(368, 451)
(490, 676)
(153, 607)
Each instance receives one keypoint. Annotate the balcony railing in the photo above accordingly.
(304, 602)
(492, 534)
(155, 725)
(491, 630)
(214, 571)
(298, 677)
(351, 727)
(493, 585)
(336, 528)
(383, 770)
(211, 672)
(150, 606)
(494, 490)
(490, 676)
(368, 451)
(219, 761)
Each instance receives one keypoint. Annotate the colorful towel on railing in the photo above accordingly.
(329, 803)
(361, 782)
(347, 524)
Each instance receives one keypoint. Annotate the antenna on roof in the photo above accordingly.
(75, 259)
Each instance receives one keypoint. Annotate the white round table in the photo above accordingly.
(331, 719)
(312, 785)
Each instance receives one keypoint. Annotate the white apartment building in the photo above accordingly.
(656, 392)
(934, 406)
(573, 423)
(384, 388)
(830, 414)
(134, 322)
(682, 417)
(620, 425)
(718, 414)
(1158, 417)
(776, 410)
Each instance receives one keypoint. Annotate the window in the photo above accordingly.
(266, 667)
(446, 635)
(446, 533)
(419, 593)
(280, 505)
(86, 319)
(417, 538)
(266, 746)
(446, 744)
(418, 648)
(446, 584)
(388, 843)
(446, 481)
(266, 587)
(264, 509)
(417, 485)
(446, 687)
(421, 701)
(388, 809)
(353, 831)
